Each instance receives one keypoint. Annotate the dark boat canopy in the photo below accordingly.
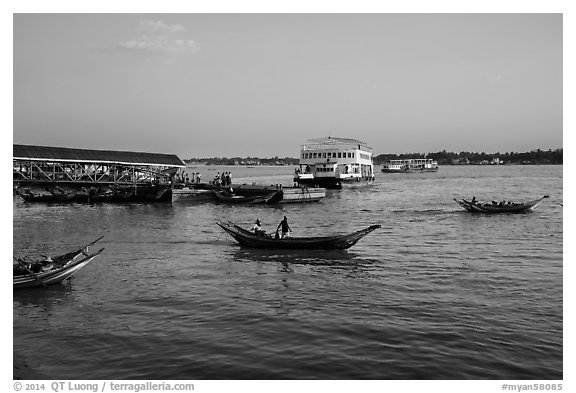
(45, 153)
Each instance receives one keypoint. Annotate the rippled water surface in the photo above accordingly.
(436, 293)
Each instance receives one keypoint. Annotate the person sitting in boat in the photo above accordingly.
(257, 228)
(473, 200)
(285, 228)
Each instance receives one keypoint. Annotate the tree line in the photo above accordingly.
(534, 157)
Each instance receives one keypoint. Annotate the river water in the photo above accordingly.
(436, 293)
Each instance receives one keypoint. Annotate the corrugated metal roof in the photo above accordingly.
(44, 153)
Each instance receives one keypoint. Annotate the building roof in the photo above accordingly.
(46, 153)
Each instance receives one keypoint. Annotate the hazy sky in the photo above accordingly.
(202, 85)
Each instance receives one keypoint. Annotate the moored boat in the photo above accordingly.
(249, 239)
(229, 197)
(96, 194)
(494, 207)
(193, 194)
(302, 194)
(40, 273)
(203, 193)
(410, 165)
(332, 162)
(52, 195)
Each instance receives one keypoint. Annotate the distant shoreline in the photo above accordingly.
(535, 157)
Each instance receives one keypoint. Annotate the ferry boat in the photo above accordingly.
(410, 165)
(331, 162)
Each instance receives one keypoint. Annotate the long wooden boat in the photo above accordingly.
(51, 197)
(249, 239)
(113, 195)
(94, 194)
(494, 208)
(40, 273)
(227, 197)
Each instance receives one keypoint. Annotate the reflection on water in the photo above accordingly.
(297, 257)
(44, 298)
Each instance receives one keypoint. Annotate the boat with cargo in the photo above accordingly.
(410, 165)
(332, 162)
(495, 207)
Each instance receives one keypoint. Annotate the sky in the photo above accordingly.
(227, 85)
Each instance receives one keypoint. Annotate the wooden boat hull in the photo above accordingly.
(104, 194)
(192, 195)
(302, 194)
(495, 209)
(249, 239)
(45, 198)
(251, 200)
(68, 265)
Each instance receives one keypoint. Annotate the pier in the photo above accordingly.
(66, 174)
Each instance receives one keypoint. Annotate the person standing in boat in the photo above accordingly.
(285, 228)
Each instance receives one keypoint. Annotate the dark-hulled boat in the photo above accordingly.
(53, 195)
(494, 207)
(29, 274)
(249, 239)
(228, 197)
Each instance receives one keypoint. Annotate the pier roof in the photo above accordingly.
(46, 153)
